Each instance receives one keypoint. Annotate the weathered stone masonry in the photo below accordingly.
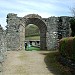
(3, 46)
(51, 30)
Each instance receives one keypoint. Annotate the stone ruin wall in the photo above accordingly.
(57, 27)
(3, 47)
(12, 32)
(56, 30)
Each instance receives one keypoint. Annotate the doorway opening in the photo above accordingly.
(32, 38)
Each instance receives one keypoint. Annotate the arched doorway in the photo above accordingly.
(36, 20)
(32, 38)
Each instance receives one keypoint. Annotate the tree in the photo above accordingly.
(73, 11)
(72, 22)
(32, 30)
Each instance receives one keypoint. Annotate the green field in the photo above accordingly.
(32, 38)
(32, 48)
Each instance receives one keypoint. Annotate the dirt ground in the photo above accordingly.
(25, 63)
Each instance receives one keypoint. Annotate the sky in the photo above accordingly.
(44, 8)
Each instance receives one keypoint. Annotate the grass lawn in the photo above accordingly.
(32, 48)
(32, 38)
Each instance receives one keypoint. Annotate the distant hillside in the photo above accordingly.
(32, 30)
(32, 38)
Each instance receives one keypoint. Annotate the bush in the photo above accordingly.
(67, 47)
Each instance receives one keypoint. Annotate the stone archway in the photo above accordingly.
(37, 20)
(50, 29)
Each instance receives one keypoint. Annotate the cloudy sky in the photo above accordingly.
(44, 8)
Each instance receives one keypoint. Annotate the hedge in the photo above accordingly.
(67, 47)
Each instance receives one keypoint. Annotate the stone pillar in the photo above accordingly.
(22, 37)
(43, 39)
(51, 35)
(12, 32)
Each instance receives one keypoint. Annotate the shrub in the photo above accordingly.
(67, 47)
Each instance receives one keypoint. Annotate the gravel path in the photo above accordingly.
(25, 63)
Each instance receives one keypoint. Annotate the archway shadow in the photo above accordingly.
(47, 61)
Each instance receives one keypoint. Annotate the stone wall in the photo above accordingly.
(51, 35)
(64, 29)
(12, 32)
(52, 30)
(2, 46)
(57, 28)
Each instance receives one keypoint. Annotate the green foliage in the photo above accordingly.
(72, 22)
(32, 30)
(73, 51)
(62, 46)
(67, 47)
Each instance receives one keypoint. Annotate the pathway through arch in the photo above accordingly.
(25, 63)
